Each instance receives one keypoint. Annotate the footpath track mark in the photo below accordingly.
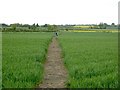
(55, 74)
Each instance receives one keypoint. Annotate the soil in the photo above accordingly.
(55, 74)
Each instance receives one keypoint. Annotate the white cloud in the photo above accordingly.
(58, 11)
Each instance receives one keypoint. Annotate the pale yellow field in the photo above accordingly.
(113, 31)
(83, 26)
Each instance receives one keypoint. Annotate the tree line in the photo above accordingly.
(16, 27)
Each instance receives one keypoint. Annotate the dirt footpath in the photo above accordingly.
(55, 74)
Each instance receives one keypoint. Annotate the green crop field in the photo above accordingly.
(22, 58)
(91, 59)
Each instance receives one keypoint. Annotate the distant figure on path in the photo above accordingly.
(56, 34)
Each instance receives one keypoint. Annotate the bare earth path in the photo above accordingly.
(55, 73)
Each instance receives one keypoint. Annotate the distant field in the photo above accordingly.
(91, 59)
(23, 57)
(96, 30)
(83, 26)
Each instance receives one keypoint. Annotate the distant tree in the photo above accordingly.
(18, 25)
(105, 24)
(33, 26)
(4, 25)
(66, 29)
(55, 28)
(50, 27)
(113, 24)
(29, 27)
(37, 25)
(14, 26)
(102, 25)
(46, 25)
(25, 25)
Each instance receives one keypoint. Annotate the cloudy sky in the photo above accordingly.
(59, 11)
